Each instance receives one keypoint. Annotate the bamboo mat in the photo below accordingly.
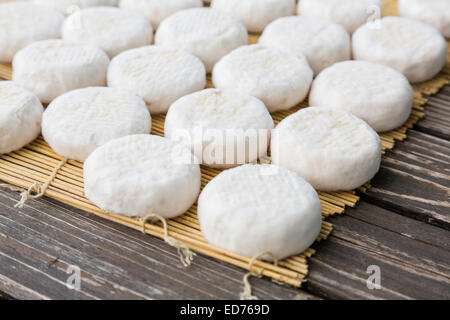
(37, 161)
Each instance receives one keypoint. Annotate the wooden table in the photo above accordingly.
(401, 225)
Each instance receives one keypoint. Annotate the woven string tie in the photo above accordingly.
(36, 190)
(247, 293)
(185, 254)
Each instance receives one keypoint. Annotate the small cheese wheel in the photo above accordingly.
(157, 10)
(52, 67)
(253, 209)
(222, 128)
(78, 122)
(415, 49)
(109, 28)
(376, 93)
(349, 13)
(24, 23)
(322, 42)
(433, 12)
(206, 33)
(20, 116)
(330, 148)
(159, 75)
(256, 14)
(71, 6)
(139, 175)
(280, 77)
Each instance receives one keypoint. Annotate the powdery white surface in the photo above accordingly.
(206, 33)
(52, 67)
(256, 14)
(433, 12)
(323, 43)
(222, 128)
(157, 74)
(412, 47)
(78, 122)
(71, 6)
(330, 148)
(376, 93)
(20, 116)
(256, 208)
(109, 28)
(280, 77)
(23, 23)
(157, 10)
(349, 13)
(140, 175)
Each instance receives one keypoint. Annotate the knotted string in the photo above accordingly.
(37, 189)
(247, 293)
(185, 254)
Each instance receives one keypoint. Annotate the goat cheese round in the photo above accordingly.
(71, 6)
(257, 208)
(204, 32)
(20, 116)
(349, 13)
(376, 93)
(52, 67)
(156, 10)
(157, 74)
(330, 148)
(222, 128)
(139, 175)
(415, 49)
(80, 121)
(433, 12)
(280, 77)
(23, 23)
(323, 43)
(108, 28)
(256, 14)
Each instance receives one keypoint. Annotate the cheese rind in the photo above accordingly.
(20, 116)
(70, 6)
(159, 75)
(253, 209)
(376, 93)
(222, 128)
(139, 175)
(330, 148)
(280, 77)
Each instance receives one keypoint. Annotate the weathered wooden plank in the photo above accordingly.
(436, 121)
(115, 262)
(414, 180)
(413, 265)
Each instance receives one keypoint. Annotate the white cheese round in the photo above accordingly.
(80, 121)
(20, 116)
(280, 77)
(256, 14)
(52, 67)
(222, 128)
(71, 6)
(253, 209)
(323, 43)
(140, 175)
(349, 13)
(157, 74)
(204, 32)
(376, 93)
(330, 148)
(23, 23)
(433, 12)
(157, 10)
(415, 49)
(109, 28)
